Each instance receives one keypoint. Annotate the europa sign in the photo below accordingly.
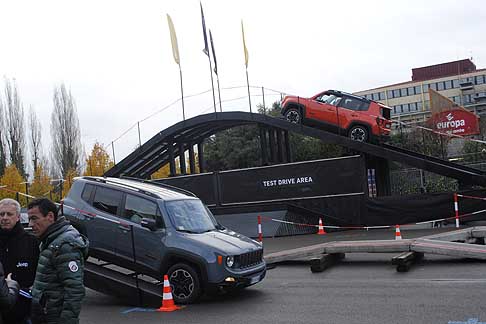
(457, 122)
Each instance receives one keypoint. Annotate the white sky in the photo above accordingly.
(116, 56)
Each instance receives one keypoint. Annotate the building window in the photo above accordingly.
(455, 84)
(411, 91)
(480, 79)
(433, 86)
(390, 94)
(374, 97)
(426, 87)
(448, 84)
(467, 99)
(419, 106)
(396, 93)
(413, 106)
(427, 105)
(403, 92)
(440, 86)
(381, 95)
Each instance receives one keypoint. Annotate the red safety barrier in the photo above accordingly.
(456, 210)
(260, 234)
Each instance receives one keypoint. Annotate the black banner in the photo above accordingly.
(313, 179)
(202, 185)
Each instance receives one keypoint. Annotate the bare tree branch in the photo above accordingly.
(65, 132)
(15, 126)
(35, 138)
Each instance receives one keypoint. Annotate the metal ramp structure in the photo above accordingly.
(463, 243)
(121, 283)
(183, 136)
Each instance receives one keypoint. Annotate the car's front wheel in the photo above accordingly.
(359, 133)
(294, 115)
(185, 283)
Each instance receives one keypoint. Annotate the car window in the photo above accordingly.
(333, 100)
(137, 208)
(323, 97)
(87, 191)
(107, 200)
(354, 104)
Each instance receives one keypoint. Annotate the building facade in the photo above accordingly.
(460, 81)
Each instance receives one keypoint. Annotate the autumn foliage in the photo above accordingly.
(98, 161)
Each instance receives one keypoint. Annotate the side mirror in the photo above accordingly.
(149, 223)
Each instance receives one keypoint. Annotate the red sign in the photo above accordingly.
(456, 122)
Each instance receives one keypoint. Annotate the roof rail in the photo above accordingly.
(160, 184)
(106, 180)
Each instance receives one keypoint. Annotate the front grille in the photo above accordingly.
(249, 259)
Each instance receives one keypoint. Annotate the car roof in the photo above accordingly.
(153, 189)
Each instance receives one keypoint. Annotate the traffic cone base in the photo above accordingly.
(167, 301)
(321, 228)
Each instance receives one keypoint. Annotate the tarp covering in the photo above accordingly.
(422, 207)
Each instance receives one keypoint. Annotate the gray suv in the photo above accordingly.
(156, 229)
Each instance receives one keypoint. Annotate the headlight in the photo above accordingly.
(230, 261)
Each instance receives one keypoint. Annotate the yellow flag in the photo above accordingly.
(244, 45)
(173, 39)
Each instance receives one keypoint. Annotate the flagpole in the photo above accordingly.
(182, 94)
(212, 82)
(248, 86)
(219, 94)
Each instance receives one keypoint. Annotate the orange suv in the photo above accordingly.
(359, 118)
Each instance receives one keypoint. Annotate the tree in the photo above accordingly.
(98, 162)
(41, 186)
(13, 182)
(35, 138)
(421, 141)
(3, 155)
(163, 172)
(15, 127)
(65, 131)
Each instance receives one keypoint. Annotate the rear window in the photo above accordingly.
(354, 104)
(385, 112)
(107, 200)
(87, 191)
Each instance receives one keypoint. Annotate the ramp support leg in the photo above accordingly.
(325, 261)
(405, 260)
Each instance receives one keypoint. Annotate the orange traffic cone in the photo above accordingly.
(321, 228)
(167, 301)
(398, 235)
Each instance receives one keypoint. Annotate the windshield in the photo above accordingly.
(190, 216)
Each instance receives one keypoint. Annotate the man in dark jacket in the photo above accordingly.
(8, 293)
(58, 287)
(19, 253)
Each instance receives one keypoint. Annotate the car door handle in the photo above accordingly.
(124, 227)
(354, 115)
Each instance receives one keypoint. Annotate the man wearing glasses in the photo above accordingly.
(19, 253)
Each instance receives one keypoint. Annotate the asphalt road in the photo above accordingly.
(364, 288)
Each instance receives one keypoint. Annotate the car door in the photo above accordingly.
(352, 109)
(324, 109)
(140, 246)
(103, 224)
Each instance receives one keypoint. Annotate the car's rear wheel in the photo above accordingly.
(185, 283)
(359, 133)
(294, 115)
